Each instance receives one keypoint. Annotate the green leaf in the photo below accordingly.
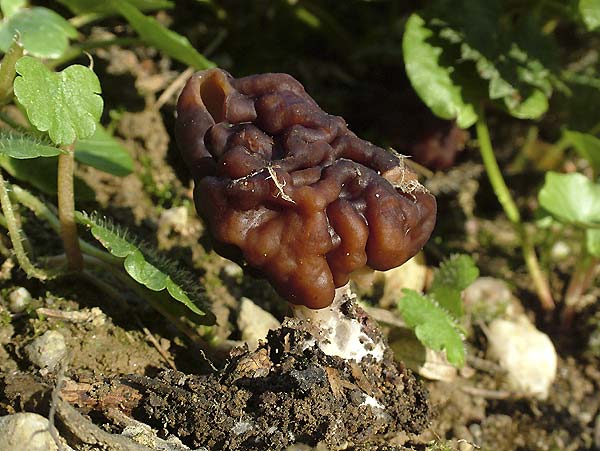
(111, 239)
(514, 59)
(17, 145)
(590, 13)
(571, 198)
(10, 7)
(433, 326)
(104, 152)
(156, 35)
(430, 79)
(106, 7)
(452, 277)
(531, 108)
(588, 146)
(150, 274)
(42, 32)
(145, 273)
(66, 104)
(592, 241)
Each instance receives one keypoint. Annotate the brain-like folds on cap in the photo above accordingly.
(290, 190)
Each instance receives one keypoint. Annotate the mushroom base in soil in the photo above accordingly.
(343, 329)
(294, 389)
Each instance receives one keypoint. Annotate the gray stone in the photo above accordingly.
(18, 300)
(25, 432)
(47, 351)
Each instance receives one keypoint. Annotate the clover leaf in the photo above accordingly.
(571, 198)
(66, 104)
(10, 7)
(432, 80)
(42, 32)
(590, 13)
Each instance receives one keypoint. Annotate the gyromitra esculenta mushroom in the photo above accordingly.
(288, 189)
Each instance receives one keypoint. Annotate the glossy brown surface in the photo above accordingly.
(288, 188)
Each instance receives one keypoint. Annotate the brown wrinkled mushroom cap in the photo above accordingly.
(288, 188)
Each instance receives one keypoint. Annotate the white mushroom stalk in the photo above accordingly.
(341, 330)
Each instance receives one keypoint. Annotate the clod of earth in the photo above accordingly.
(289, 190)
(285, 393)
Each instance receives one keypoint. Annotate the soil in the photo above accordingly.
(204, 389)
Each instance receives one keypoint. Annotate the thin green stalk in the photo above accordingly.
(41, 210)
(84, 19)
(15, 236)
(540, 281)
(66, 208)
(8, 72)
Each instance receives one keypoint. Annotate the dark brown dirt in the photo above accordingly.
(284, 393)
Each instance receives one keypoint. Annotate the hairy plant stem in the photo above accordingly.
(8, 72)
(14, 233)
(540, 281)
(43, 211)
(581, 280)
(66, 208)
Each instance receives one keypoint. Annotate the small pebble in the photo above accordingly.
(526, 354)
(255, 323)
(18, 300)
(25, 432)
(47, 351)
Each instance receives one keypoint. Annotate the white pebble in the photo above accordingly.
(47, 351)
(25, 432)
(18, 300)
(526, 354)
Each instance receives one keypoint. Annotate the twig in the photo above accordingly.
(76, 316)
(484, 365)
(174, 87)
(90, 434)
(418, 168)
(158, 347)
(493, 394)
(60, 379)
(279, 185)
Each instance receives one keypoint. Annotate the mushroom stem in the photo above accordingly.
(344, 328)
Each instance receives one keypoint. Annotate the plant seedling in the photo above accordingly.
(434, 317)
(62, 126)
(574, 200)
